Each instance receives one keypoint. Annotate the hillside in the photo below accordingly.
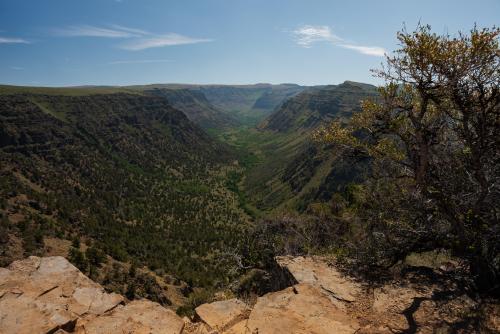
(160, 176)
(268, 102)
(197, 108)
(294, 172)
(317, 106)
(249, 103)
(214, 105)
(127, 174)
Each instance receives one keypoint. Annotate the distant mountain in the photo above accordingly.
(316, 106)
(244, 104)
(249, 103)
(233, 99)
(294, 171)
(196, 107)
(271, 100)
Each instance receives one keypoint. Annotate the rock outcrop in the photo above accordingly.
(222, 315)
(315, 272)
(139, 316)
(300, 309)
(315, 305)
(48, 295)
(325, 300)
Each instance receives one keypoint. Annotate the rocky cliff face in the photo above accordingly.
(49, 295)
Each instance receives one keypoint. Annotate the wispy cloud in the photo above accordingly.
(139, 61)
(16, 68)
(308, 35)
(160, 41)
(139, 39)
(135, 31)
(367, 50)
(13, 40)
(94, 31)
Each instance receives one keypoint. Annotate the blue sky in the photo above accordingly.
(122, 42)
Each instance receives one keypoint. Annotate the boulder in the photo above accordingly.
(316, 271)
(221, 314)
(301, 309)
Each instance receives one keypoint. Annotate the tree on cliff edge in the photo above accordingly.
(433, 136)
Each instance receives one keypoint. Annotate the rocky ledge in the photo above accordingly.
(49, 295)
(325, 301)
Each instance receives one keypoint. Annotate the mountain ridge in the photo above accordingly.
(318, 105)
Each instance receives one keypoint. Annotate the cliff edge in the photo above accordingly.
(50, 295)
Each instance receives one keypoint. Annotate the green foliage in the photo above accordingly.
(284, 170)
(32, 236)
(75, 242)
(161, 199)
(95, 256)
(77, 258)
(4, 229)
(195, 299)
(130, 293)
(298, 234)
(254, 282)
(433, 136)
(133, 270)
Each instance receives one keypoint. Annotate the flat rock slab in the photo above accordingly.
(316, 271)
(221, 314)
(138, 317)
(39, 295)
(50, 295)
(302, 309)
(239, 328)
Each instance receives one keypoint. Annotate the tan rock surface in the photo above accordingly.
(396, 299)
(316, 271)
(43, 294)
(46, 295)
(239, 328)
(301, 309)
(221, 314)
(49, 295)
(139, 317)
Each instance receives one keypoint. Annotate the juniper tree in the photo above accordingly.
(433, 137)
